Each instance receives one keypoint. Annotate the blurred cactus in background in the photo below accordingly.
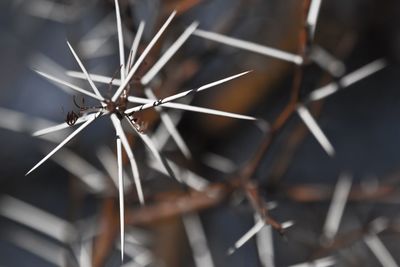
(241, 133)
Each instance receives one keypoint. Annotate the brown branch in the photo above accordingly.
(108, 231)
(317, 193)
(252, 166)
(178, 203)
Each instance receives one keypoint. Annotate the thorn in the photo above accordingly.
(249, 46)
(169, 53)
(65, 141)
(120, 41)
(312, 16)
(287, 225)
(142, 56)
(314, 128)
(121, 196)
(85, 72)
(135, 172)
(246, 237)
(183, 94)
(337, 206)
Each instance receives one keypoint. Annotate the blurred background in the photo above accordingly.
(344, 208)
